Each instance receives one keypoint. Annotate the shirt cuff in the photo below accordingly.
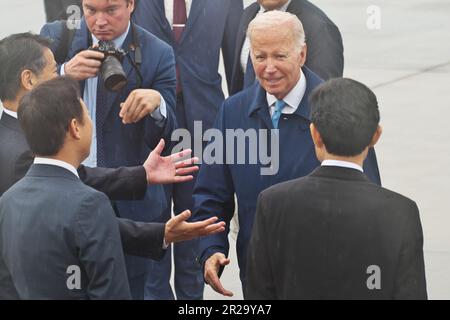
(160, 113)
(61, 71)
(165, 245)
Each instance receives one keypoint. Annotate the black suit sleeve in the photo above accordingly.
(142, 239)
(260, 281)
(410, 283)
(128, 183)
(325, 55)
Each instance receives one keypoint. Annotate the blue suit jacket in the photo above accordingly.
(129, 145)
(218, 183)
(50, 221)
(212, 25)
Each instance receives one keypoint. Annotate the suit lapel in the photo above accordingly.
(197, 7)
(252, 11)
(158, 12)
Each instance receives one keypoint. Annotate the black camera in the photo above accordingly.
(111, 71)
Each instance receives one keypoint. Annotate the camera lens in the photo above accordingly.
(112, 74)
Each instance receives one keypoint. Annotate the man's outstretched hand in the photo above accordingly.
(177, 229)
(170, 169)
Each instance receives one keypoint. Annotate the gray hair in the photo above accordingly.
(276, 19)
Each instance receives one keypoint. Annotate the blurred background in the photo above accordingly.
(406, 61)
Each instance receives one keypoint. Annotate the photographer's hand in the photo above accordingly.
(140, 103)
(84, 65)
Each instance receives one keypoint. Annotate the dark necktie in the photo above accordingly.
(179, 23)
(100, 117)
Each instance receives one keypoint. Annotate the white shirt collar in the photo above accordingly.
(340, 163)
(58, 163)
(118, 42)
(283, 8)
(9, 112)
(293, 98)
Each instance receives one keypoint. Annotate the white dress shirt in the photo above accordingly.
(245, 52)
(11, 113)
(292, 99)
(58, 163)
(340, 163)
(168, 8)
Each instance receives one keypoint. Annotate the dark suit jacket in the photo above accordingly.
(315, 238)
(50, 221)
(218, 183)
(212, 25)
(140, 239)
(129, 145)
(325, 55)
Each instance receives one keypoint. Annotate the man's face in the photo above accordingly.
(276, 60)
(107, 19)
(50, 70)
(272, 4)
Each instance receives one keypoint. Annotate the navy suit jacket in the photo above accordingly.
(325, 49)
(140, 239)
(50, 221)
(211, 26)
(129, 145)
(218, 183)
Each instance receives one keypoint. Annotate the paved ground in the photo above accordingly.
(407, 63)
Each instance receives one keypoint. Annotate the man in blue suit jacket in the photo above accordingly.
(278, 101)
(130, 122)
(210, 25)
(59, 238)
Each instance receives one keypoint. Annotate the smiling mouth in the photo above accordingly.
(273, 81)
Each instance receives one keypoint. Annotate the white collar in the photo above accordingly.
(340, 163)
(294, 97)
(118, 42)
(9, 112)
(282, 8)
(58, 163)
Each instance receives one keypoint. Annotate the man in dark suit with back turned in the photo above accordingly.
(52, 226)
(325, 49)
(197, 30)
(334, 234)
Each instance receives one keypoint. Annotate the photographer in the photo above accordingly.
(130, 122)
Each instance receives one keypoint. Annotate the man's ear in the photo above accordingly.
(28, 80)
(376, 136)
(317, 139)
(303, 54)
(74, 129)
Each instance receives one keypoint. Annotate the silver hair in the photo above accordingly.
(276, 19)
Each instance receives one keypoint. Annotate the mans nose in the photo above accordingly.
(101, 20)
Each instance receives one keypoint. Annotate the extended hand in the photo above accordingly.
(140, 103)
(212, 267)
(177, 229)
(84, 65)
(170, 169)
